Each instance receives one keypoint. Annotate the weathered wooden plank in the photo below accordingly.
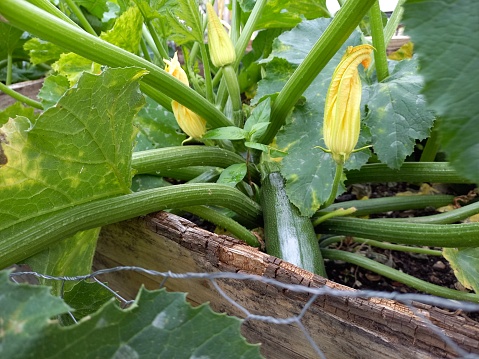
(342, 327)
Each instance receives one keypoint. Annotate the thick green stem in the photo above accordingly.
(231, 80)
(8, 80)
(144, 50)
(385, 204)
(338, 31)
(437, 172)
(32, 236)
(397, 275)
(419, 234)
(149, 40)
(168, 158)
(235, 21)
(332, 214)
(19, 97)
(156, 39)
(384, 245)
(334, 189)
(225, 222)
(52, 9)
(393, 22)
(29, 18)
(207, 74)
(156, 95)
(432, 147)
(453, 216)
(380, 56)
(79, 14)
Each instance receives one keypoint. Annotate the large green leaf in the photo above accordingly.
(449, 63)
(308, 171)
(287, 14)
(465, 262)
(75, 152)
(157, 127)
(9, 39)
(42, 51)
(54, 87)
(397, 114)
(26, 311)
(16, 109)
(73, 256)
(158, 325)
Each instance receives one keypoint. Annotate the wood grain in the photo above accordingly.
(342, 327)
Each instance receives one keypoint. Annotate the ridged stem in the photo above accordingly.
(342, 25)
(419, 234)
(27, 17)
(19, 97)
(225, 222)
(437, 172)
(27, 238)
(79, 14)
(380, 58)
(399, 276)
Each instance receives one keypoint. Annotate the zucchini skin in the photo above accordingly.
(289, 235)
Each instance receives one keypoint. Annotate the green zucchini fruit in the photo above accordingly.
(289, 235)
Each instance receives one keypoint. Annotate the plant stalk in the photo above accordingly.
(32, 236)
(419, 234)
(19, 97)
(29, 18)
(80, 16)
(437, 172)
(342, 25)
(396, 275)
(380, 56)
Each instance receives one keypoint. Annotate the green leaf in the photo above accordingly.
(157, 127)
(448, 63)
(145, 181)
(397, 114)
(26, 311)
(85, 298)
(70, 257)
(158, 324)
(226, 133)
(52, 90)
(95, 7)
(9, 39)
(308, 171)
(287, 14)
(233, 174)
(278, 71)
(126, 32)
(77, 151)
(465, 263)
(42, 51)
(256, 124)
(182, 20)
(16, 109)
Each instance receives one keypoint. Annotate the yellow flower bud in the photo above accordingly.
(342, 108)
(191, 124)
(222, 51)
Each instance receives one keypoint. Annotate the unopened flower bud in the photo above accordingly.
(342, 120)
(191, 123)
(222, 51)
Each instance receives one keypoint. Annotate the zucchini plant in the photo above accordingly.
(266, 135)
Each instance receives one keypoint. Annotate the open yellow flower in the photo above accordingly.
(342, 108)
(191, 124)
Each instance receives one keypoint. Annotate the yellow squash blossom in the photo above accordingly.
(342, 108)
(191, 124)
(222, 51)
